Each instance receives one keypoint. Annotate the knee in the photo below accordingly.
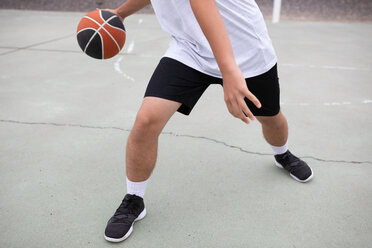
(147, 124)
(275, 121)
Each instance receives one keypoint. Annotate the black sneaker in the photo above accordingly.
(298, 169)
(120, 226)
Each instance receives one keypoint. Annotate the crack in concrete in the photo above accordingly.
(64, 125)
(265, 154)
(181, 135)
(16, 49)
(42, 50)
(30, 48)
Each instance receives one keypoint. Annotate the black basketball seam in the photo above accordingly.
(97, 31)
(103, 51)
(85, 29)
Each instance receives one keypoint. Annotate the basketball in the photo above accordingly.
(101, 34)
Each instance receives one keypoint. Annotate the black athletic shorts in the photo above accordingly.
(178, 82)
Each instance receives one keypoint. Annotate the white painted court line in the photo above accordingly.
(130, 47)
(128, 50)
(328, 104)
(331, 67)
(118, 70)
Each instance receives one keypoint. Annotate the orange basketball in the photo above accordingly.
(101, 34)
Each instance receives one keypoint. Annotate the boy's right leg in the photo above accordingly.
(178, 83)
(142, 145)
(141, 156)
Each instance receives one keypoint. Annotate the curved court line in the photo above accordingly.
(118, 69)
(130, 47)
(182, 135)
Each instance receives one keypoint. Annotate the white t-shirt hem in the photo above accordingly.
(191, 63)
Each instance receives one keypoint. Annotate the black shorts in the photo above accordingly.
(178, 82)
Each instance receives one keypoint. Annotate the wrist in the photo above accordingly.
(121, 13)
(229, 68)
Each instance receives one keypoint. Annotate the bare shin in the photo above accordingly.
(274, 129)
(142, 145)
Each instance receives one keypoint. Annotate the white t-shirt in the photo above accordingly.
(253, 50)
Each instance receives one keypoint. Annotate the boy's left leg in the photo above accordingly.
(274, 125)
(275, 131)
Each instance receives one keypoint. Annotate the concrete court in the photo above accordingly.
(65, 117)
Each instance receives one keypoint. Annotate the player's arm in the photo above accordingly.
(130, 7)
(234, 85)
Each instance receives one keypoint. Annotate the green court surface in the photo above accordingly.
(65, 118)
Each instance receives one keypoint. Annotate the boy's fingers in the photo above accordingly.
(253, 99)
(241, 111)
(246, 111)
(239, 108)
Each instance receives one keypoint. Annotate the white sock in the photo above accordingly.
(136, 188)
(280, 149)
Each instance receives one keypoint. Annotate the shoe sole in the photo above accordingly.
(140, 217)
(296, 178)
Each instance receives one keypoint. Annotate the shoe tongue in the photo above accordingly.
(286, 155)
(128, 202)
(130, 197)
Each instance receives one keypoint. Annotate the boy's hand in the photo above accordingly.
(234, 85)
(128, 8)
(235, 90)
(115, 11)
